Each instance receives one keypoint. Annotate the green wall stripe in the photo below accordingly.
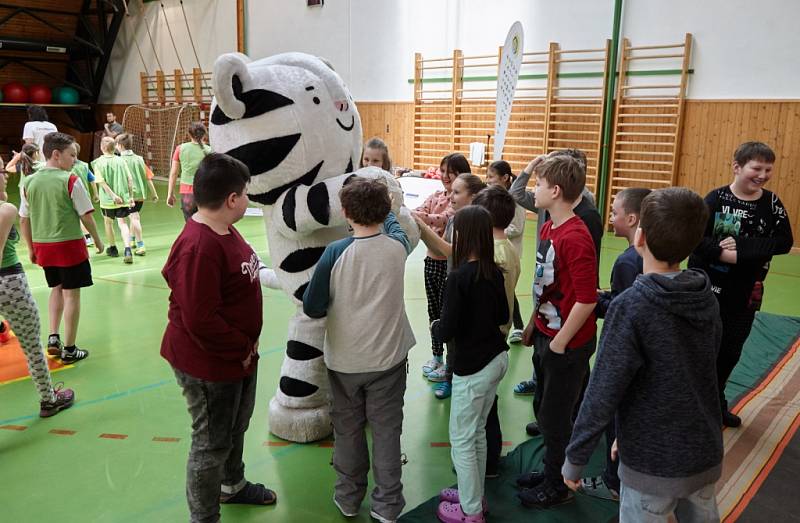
(543, 76)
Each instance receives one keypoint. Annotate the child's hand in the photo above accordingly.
(572, 485)
(32, 256)
(117, 200)
(614, 450)
(155, 198)
(527, 335)
(170, 200)
(557, 346)
(728, 243)
(727, 256)
(534, 163)
(96, 199)
(98, 243)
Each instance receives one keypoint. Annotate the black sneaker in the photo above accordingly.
(74, 355)
(112, 251)
(545, 495)
(530, 479)
(532, 429)
(54, 345)
(729, 419)
(127, 255)
(64, 400)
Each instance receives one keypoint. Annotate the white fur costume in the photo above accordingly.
(292, 121)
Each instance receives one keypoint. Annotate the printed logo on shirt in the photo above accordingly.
(251, 267)
(548, 296)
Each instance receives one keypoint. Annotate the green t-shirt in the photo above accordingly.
(52, 213)
(190, 156)
(10, 258)
(138, 172)
(112, 170)
(81, 170)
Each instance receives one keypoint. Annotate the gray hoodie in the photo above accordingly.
(656, 370)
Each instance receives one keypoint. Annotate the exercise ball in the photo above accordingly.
(40, 94)
(67, 95)
(15, 93)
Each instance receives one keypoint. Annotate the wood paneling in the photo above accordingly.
(392, 122)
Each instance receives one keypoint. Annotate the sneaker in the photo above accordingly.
(530, 479)
(54, 345)
(525, 388)
(112, 251)
(140, 251)
(545, 495)
(6, 335)
(515, 336)
(344, 512)
(597, 488)
(729, 419)
(64, 400)
(532, 429)
(443, 390)
(432, 365)
(74, 355)
(127, 256)
(438, 375)
(89, 240)
(451, 513)
(377, 517)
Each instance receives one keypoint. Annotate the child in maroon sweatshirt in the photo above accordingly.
(211, 339)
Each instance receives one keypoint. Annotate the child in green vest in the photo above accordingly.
(116, 196)
(18, 307)
(53, 204)
(186, 159)
(81, 169)
(142, 186)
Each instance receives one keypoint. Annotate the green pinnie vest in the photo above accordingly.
(81, 170)
(190, 157)
(114, 171)
(138, 172)
(52, 215)
(10, 257)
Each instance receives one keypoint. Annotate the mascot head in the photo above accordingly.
(288, 117)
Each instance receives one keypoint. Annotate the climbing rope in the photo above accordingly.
(169, 30)
(194, 49)
(135, 42)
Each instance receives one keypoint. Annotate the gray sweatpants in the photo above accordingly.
(377, 398)
(220, 414)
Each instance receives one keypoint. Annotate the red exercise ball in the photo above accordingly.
(40, 94)
(15, 93)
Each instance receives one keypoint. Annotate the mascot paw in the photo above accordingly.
(299, 425)
(268, 278)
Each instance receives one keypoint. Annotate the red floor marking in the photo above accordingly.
(62, 432)
(113, 436)
(166, 440)
(276, 443)
(326, 444)
(440, 444)
(13, 427)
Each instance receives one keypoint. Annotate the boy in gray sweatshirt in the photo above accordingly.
(659, 377)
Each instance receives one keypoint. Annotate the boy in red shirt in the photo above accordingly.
(562, 326)
(211, 339)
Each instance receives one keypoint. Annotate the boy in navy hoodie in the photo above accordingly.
(656, 370)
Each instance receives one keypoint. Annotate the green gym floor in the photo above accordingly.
(119, 454)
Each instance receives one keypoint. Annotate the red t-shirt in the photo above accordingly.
(215, 304)
(566, 273)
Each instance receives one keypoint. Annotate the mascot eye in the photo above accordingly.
(316, 100)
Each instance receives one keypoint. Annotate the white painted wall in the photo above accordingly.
(213, 27)
(743, 49)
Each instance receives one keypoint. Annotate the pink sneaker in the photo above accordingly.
(451, 496)
(452, 513)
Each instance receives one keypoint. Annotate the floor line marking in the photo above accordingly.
(62, 432)
(107, 435)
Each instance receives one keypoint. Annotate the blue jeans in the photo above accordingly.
(637, 507)
(470, 404)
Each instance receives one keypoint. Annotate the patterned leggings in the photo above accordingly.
(435, 277)
(18, 307)
(188, 206)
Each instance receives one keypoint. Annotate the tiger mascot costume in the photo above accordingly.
(292, 121)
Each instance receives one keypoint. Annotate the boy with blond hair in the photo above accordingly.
(116, 196)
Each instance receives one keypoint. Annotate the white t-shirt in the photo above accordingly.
(36, 131)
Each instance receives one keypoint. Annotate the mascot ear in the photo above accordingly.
(230, 72)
